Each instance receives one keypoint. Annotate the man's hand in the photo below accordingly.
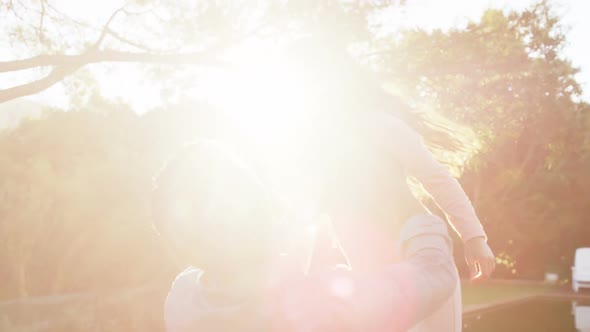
(478, 253)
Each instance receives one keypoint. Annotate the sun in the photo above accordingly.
(263, 93)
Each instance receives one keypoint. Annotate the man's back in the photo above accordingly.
(187, 309)
(296, 304)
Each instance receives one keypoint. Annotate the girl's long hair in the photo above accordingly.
(340, 85)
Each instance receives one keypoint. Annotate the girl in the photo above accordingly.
(361, 146)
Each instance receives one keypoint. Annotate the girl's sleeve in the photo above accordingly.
(408, 148)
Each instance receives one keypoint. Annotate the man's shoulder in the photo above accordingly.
(191, 274)
(184, 286)
(180, 306)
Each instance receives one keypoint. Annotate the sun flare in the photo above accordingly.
(267, 98)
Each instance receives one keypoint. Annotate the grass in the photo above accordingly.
(144, 312)
(489, 293)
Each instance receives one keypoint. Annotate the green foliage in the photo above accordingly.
(75, 212)
(504, 77)
(74, 196)
(175, 26)
(74, 186)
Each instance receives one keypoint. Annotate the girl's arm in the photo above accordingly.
(407, 147)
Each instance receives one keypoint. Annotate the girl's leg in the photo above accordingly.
(447, 318)
(401, 295)
(393, 298)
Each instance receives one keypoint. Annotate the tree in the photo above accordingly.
(162, 32)
(505, 78)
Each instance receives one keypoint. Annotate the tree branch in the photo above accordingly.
(105, 28)
(67, 64)
(56, 75)
(109, 56)
(130, 42)
(41, 34)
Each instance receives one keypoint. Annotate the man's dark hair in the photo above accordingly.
(205, 175)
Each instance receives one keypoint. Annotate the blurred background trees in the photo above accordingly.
(75, 182)
(505, 78)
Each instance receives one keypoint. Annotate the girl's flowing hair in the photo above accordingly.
(340, 85)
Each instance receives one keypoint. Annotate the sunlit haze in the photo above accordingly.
(126, 82)
(294, 165)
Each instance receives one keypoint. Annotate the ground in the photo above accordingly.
(493, 293)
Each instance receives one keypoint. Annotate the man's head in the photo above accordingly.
(212, 209)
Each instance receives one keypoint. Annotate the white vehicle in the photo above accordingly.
(581, 269)
(581, 317)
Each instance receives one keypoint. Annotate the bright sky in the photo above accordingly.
(125, 82)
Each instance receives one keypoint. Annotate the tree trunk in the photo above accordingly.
(21, 280)
(62, 267)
